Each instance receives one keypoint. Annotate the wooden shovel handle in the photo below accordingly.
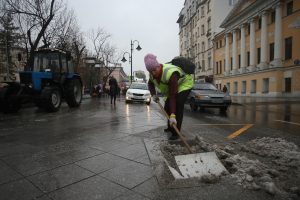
(176, 129)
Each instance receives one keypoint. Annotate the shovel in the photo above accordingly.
(194, 165)
(176, 129)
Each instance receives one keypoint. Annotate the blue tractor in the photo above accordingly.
(50, 80)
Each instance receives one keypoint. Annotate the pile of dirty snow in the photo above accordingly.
(249, 173)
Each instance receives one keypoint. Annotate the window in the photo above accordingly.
(231, 63)
(209, 63)
(220, 43)
(289, 8)
(203, 65)
(228, 87)
(265, 86)
(203, 46)
(248, 58)
(202, 30)
(253, 86)
(271, 51)
(235, 87)
(217, 68)
(248, 29)
(288, 84)
(221, 67)
(288, 48)
(259, 23)
(272, 16)
(202, 11)
(258, 55)
(244, 86)
(208, 6)
(239, 61)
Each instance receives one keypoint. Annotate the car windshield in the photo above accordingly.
(204, 86)
(139, 86)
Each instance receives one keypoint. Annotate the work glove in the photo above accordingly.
(172, 120)
(155, 98)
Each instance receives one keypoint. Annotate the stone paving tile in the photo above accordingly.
(110, 145)
(29, 166)
(132, 140)
(94, 188)
(131, 152)
(77, 155)
(129, 175)
(44, 197)
(131, 196)
(149, 188)
(59, 177)
(20, 189)
(144, 159)
(101, 163)
(7, 174)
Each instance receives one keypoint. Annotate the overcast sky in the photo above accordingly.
(151, 22)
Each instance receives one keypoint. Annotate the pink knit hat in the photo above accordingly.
(151, 62)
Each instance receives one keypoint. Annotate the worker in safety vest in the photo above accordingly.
(174, 84)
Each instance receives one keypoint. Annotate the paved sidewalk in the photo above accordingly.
(94, 152)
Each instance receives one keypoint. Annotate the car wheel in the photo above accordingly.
(193, 105)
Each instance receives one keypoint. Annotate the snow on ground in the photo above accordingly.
(273, 167)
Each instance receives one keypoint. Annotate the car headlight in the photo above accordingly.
(202, 97)
(146, 95)
(129, 93)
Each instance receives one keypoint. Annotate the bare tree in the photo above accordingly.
(37, 16)
(99, 39)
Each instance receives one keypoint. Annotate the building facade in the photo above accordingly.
(256, 54)
(199, 21)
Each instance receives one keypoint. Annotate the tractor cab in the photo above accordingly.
(54, 61)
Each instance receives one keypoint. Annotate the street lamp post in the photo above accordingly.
(130, 56)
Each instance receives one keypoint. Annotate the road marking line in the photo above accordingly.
(240, 131)
(287, 122)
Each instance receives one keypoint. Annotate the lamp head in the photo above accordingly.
(123, 59)
(139, 48)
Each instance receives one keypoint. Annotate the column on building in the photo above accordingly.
(227, 58)
(234, 57)
(243, 49)
(278, 37)
(252, 45)
(263, 41)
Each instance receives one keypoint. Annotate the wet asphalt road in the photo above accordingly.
(97, 151)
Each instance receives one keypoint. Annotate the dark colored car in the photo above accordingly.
(207, 95)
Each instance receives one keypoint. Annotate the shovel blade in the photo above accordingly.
(199, 165)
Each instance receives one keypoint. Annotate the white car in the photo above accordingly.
(138, 92)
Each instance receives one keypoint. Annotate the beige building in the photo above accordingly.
(199, 21)
(257, 53)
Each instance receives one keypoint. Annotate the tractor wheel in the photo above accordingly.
(73, 94)
(8, 102)
(51, 99)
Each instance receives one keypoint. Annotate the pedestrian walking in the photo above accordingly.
(224, 89)
(174, 84)
(113, 89)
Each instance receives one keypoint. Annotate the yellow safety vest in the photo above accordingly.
(185, 81)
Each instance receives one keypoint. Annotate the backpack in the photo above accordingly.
(185, 64)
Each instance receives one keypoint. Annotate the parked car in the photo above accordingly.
(207, 95)
(138, 92)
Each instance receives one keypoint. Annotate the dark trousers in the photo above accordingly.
(113, 97)
(180, 100)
